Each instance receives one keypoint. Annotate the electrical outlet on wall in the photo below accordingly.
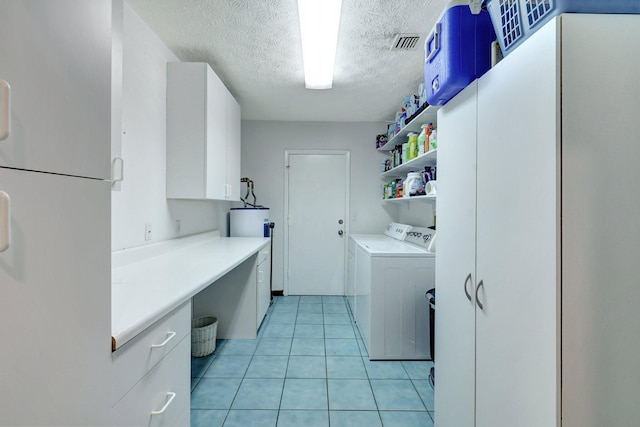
(147, 232)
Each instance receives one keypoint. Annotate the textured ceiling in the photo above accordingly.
(254, 46)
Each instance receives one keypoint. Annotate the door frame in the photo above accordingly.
(287, 153)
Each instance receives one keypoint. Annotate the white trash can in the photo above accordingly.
(203, 336)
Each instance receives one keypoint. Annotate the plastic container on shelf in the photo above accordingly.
(412, 145)
(427, 133)
(412, 184)
(433, 140)
(457, 51)
(422, 141)
(515, 20)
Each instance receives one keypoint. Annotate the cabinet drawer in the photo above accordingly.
(137, 357)
(155, 389)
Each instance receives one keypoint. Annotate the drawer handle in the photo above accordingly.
(172, 396)
(163, 343)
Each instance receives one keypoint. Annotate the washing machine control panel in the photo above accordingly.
(397, 231)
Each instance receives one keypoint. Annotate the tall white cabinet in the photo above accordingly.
(536, 323)
(55, 272)
(203, 135)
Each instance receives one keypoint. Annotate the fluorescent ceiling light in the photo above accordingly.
(319, 23)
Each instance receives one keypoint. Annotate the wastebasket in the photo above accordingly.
(431, 298)
(203, 336)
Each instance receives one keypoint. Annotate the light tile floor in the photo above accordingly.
(308, 367)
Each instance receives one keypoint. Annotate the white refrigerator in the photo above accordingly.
(55, 231)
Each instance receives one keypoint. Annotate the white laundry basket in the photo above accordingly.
(203, 336)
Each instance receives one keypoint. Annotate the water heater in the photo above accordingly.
(249, 222)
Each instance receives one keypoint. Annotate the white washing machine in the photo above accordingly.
(391, 276)
(393, 232)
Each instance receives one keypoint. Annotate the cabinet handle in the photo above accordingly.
(466, 292)
(480, 284)
(163, 343)
(172, 396)
(5, 106)
(114, 168)
(5, 218)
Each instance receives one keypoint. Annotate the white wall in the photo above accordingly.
(142, 198)
(263, 147)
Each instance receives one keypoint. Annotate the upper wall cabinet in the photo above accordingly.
(55, 86)
(203, 135)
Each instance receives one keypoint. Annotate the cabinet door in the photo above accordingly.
(55, 290)
(517, 237)
(455, 261)
(56, 58)
(263, 286)
(216, 134)
(600, 233)
(233, 148)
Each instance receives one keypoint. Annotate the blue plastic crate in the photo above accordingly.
(457, 51)
(515, 20)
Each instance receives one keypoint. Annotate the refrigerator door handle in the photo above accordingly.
(5, 219)
(5, 109)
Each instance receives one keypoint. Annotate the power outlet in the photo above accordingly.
(147, 232)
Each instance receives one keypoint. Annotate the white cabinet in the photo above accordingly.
(535, 320)
(56, 59)
(152, 373)
(55, 293)
(263, 284)
(203, 135)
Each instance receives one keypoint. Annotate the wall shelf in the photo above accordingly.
(428, 115)
(427, 159)
(409, 199)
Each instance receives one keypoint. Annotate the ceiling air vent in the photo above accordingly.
(405, 41)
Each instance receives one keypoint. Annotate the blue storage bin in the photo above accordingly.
(457, 51)
(515, 20)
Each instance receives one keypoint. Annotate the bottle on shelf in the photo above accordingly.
(413, 146)
(422, 141)
(433, 140)
(427, 132)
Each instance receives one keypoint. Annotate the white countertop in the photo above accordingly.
(150, 281)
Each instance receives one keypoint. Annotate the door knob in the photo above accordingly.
(340, 232)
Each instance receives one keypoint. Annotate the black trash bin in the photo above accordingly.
(431, 297)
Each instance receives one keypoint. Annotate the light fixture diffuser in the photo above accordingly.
(319, 24)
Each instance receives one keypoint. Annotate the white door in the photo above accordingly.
(317, 184)
(517, 223)
(455, 262)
